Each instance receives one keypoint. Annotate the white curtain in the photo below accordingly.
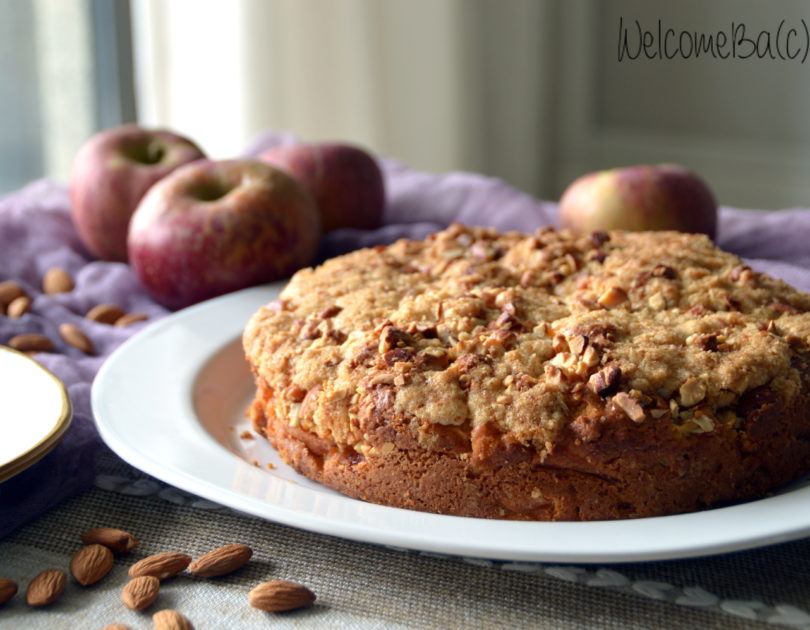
(441, 85)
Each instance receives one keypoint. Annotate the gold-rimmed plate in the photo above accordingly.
(35, 412)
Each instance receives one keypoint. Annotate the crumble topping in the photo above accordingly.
(532, 334)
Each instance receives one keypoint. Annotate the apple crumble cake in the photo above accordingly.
(546, 377)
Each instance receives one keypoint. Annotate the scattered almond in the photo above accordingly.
(221, 561)
(141, 592)
(57, 280)
(8, 589)
(116, 626)
(117, 540)
(105, 313)
(19, 306)
(46, 587)
(91, 563)
(280, 595)
(130, 318)
(74, 336)
(10, 291)
(160, 565)
(31, 342)
(171, 620)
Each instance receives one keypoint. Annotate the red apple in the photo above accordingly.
(345, 180)
(112, 172)
(662, 197)
(210, 228)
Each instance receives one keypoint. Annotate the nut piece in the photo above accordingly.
(171, 620)
(663, 271)
(160, 565)
(657, 302)
(10, 291)
(295, 393)
(130, 318)
(57, 280)
(599, 238)
(605, 381)
(46, 587)
(19, 306)
(741, 272)
(116, 626)
(578, 344)
(707, 342)
(612, 297)
(74, 336)
(117, 540)
(105, 313)
(30, 342)
(330, 311)
(141, 592)
(692, 392)
(391, 338)
(280, 595)
(8, 589)
(631, 407)
(91, 563)
(221, 561)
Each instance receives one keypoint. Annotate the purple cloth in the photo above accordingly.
(36, 234)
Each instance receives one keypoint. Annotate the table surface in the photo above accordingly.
(363, 586)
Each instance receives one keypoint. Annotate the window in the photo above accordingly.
(65, 72)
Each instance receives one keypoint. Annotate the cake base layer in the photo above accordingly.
(619, 476)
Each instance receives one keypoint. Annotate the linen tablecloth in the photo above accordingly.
(81, 484)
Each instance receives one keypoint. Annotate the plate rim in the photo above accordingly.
(49, 441)
(746, 536)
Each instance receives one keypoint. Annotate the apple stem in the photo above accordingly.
(154, 153)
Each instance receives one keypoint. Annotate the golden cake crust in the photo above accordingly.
(546, 376)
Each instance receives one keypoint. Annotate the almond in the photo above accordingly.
(130, 318)
(141, 592)
(57, 280)
(171, 620)
(19, 306)
(221, 561)
(105, 313)
(8, 589)
(280, 595)
(74, 336)
(46, 587)
(116, 539)
(31, 342)
(10, 291)
(116, 626)
(160, 565)
(91, 563)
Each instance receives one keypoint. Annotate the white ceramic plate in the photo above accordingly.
(35, 412)
(171, 401)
